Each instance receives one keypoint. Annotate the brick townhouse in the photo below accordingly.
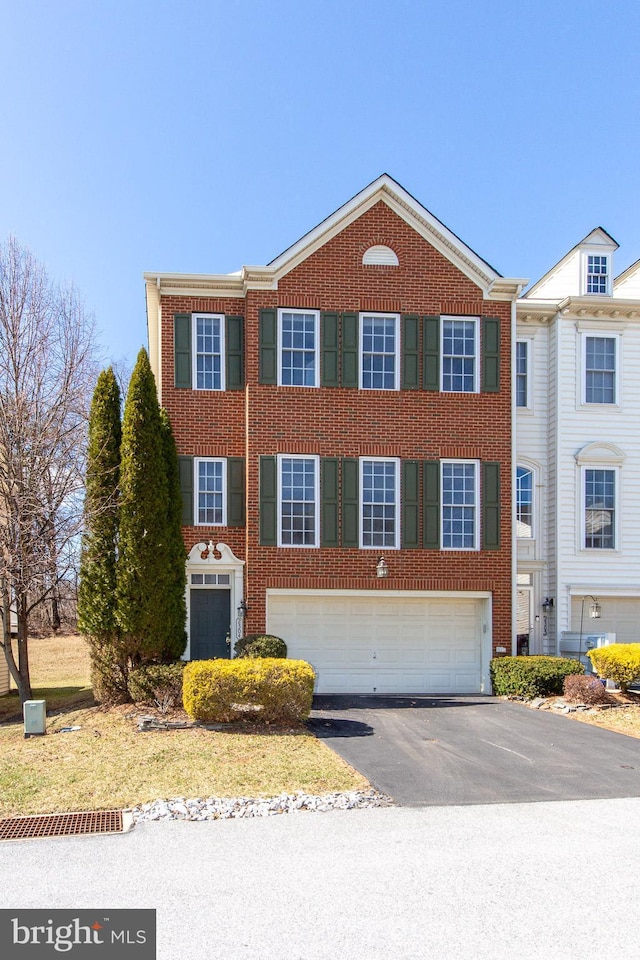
(343, 417)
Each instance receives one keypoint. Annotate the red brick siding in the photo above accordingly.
(347, 422)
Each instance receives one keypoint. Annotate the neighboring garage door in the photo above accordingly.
(619, 615)
(374, 644)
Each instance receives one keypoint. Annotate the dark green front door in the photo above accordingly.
(210, 624)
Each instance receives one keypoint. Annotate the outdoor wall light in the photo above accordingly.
(594, 613)
(382, 570)
(243, 609)
(547, 604)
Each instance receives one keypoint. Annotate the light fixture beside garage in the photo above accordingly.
(382, 570)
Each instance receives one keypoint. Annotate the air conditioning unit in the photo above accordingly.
(35, 717)
(572, 644)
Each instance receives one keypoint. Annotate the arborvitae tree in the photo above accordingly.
(142, 545)
(175, 611)
(97, 587)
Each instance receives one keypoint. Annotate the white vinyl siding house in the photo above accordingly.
(581, 440)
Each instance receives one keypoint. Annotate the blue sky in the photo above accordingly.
(200, 136)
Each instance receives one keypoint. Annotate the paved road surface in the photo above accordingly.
(517, 881)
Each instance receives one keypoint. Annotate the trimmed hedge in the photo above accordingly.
(159, 683)
(619, 662)
(262, 690)
(531, 677)
(261, 645)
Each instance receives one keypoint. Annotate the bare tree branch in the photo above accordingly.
(47, 369)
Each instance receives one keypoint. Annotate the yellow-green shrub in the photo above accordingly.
(619, 662)
(266, 690)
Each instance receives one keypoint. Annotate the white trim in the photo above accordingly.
(476, 359)
(226, 562)
(396, 531)
(596, 251)
(396, 336)
(601, 453)
(617, 527)
(477, 506)
(600, 334)
(532, 472)
(380, 255)
(196, 491)
(302, 311)
(316, 482)
(194, 350)
(528, 405)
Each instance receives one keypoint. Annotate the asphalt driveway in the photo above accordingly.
(433, 751)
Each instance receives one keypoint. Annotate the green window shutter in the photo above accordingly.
(329, 358)
(235, 353)
(431, 353)
(410, 364)
(431, 504)
(350, 349)
(410, 490)
(268, 346)
(350, 503)
(268, 502)
(329, 502)
(235, 492)
(490, 506)
(182, 350)
(490, 355)
(185, 465)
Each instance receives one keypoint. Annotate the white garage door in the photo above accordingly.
(375, 644)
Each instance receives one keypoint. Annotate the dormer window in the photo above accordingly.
(597, 273)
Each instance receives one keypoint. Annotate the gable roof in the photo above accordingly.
(598, 237)
(628, 280)
(384, 188)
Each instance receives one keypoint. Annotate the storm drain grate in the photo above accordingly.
(61, 825)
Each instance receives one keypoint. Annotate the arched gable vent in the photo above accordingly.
(380, 255)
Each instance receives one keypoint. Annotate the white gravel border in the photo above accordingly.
(228, 808)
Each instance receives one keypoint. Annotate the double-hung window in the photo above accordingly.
(298, 348)
(379, 495)
(379, 351)
(459, 355)
(599, 509)
(597, 273)
(211, 492)
(460, 505)
(522, 373)
(298, 484)
(600, 369)
(524, 502)
(208, 356)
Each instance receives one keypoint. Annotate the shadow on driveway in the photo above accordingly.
(423, 751)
